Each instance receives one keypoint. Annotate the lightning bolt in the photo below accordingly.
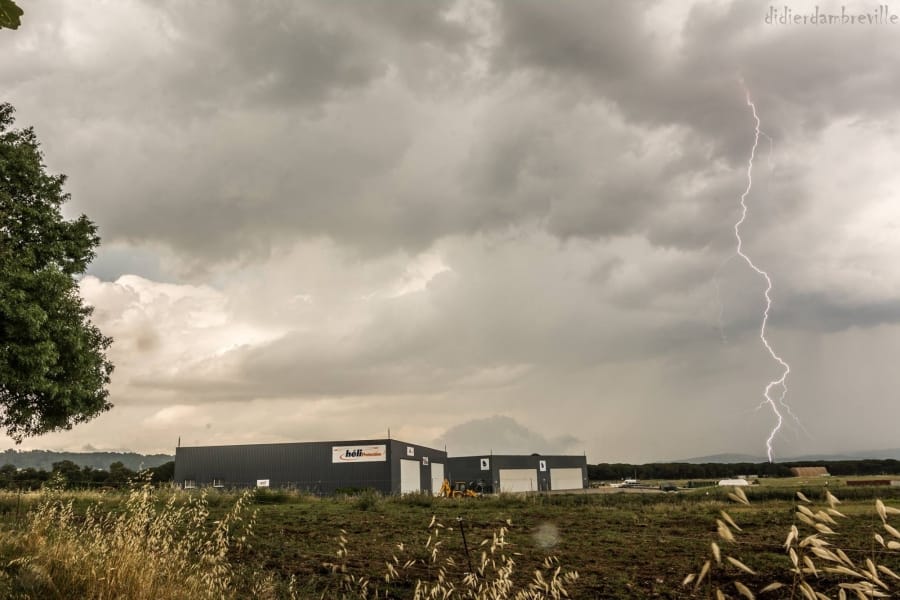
(786, 369)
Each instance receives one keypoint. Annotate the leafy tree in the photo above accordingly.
(32, 478)
(7, 474)
(69, 471)
(119, 473)
(53, 366)
(163, 473)
(10, 15)
(94, 476)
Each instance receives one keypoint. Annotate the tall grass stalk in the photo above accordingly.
(445, 577)
(153, 548)
(818, 567)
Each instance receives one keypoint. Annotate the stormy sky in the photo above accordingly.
(501, 226)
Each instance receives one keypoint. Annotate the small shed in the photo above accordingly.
(810, 472)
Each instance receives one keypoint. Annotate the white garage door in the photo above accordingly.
(518, 480)
(437, 478)
(409, 476)
(566, 479)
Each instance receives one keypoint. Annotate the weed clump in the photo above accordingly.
(368, 499)
(270, 496)
(421, 499)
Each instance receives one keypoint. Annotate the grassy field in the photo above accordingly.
(621, 545)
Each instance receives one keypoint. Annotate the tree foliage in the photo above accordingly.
(10, 15)
(70, 475)
(841, 468)
(53, 365)
(44, 459)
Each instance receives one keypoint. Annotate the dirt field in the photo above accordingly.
(623, 543)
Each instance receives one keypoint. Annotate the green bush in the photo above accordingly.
(368, 499)
(416, 499)
(271, 496)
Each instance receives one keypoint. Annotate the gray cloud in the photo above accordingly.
(502, 435)
(261, 122)
(359, 215)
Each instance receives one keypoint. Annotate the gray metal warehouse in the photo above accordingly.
(520, 473)
(386, 465)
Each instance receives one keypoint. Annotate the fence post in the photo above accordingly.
(462, 531)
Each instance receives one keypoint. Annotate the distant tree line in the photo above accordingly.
(68, 474)
(45, 459)
(842, 468)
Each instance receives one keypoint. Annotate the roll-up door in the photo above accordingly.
(518, 480)
(566, 479)
(409, 476)
(437, 477)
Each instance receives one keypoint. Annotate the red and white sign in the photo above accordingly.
(357, 454)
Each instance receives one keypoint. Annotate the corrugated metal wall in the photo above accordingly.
(567, 462)
(308, 466)
(401, 450)
(468, 468)
(305, 466)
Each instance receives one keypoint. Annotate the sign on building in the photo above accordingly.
(262, 483)
(357, 454)
(485, 464)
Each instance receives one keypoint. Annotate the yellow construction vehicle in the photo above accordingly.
(459, 489)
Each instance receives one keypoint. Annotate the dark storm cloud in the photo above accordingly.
(254, 54)
(417, 22)
(234, 128)
(260, 122)
(612, 50)
(285, 54)
(609, 51)
(604, 41)
(243, 127)
(825, 312)
(241, 133)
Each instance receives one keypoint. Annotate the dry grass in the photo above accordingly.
(437, 575)
(164, 544)
(161, 545)
(818, 568)
(150, 549)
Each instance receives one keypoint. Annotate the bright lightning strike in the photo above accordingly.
(781, 381)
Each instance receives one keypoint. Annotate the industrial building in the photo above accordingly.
(388, 466)
(520, 473)
(385, 465)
